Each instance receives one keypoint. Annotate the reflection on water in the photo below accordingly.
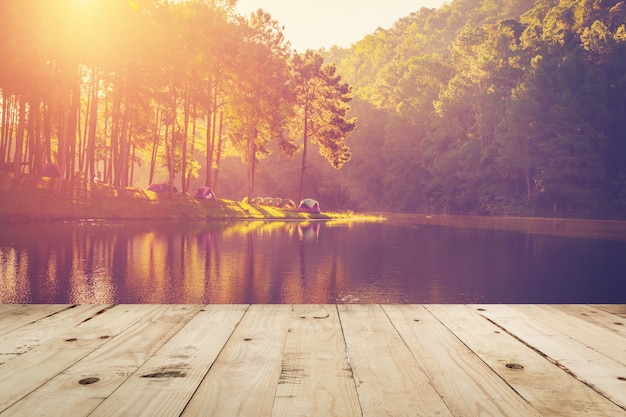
(294, 262)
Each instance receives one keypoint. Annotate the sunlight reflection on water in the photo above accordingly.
(311, 262)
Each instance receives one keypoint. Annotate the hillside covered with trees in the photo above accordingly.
(504, 107)
(493, 107)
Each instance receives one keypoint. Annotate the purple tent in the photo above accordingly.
(205, 193)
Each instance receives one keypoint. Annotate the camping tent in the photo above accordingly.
(288, 204)
(308, 205)
(205, 193)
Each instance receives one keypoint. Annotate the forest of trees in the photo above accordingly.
(104, 87)
(495, 107)
(491, 107)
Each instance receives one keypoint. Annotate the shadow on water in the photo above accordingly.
(403, 260)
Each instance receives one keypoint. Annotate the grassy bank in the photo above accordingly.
(31, 198)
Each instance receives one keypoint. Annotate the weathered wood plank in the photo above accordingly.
(39, 365)
(243, 379)
(315, 379)
(610, 321)
(78, 390)
(166, 381)
(388, 379)
(592, 336)
(467, 385)
(164, 360)
(35, 333)
(617, 309)
(14, 316)
(606, 375)
(546, 387)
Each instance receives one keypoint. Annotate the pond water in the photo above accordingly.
(296, 262)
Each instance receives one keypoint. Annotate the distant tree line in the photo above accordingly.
(101, 87)
(499, 107)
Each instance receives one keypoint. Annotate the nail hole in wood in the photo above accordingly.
(247, 339)
(622, 378)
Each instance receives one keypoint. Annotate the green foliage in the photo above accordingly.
(503, 107)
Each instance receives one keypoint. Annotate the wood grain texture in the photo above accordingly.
(609, 321)
(38, 331)
(594, 337)
(14, 316)
(37, 366)
(165, 383)
(312, 360)
(388, 379)
(78, 390)
(315, 377)
(243, 379)
(548, 388)
(588, 365)
(617, 309)
(467, 385)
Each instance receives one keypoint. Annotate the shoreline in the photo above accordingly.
(31, 199)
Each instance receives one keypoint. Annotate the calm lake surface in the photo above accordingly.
(397, 261)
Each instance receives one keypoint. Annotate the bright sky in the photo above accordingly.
(314, 24)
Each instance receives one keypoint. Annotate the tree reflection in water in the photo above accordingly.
(295, 262)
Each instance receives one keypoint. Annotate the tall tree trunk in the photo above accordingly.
(47, 132)
(4, 133)
(83, 141)
(251, 164)
(62, 144)
(90, 166)
(37, 149)
(304, 151)
(132, 163)
(183, 168)
(172, 158)
(193, 146)
(124, 140)
(155, 146)
(72, 128)
(32, 138)
(214, 125)
(19, 139)
(115, 129)
(12, 125)
(218, 156)
(209, 145)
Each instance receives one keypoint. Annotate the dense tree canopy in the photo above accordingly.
(503, 107)
(499, 107)
(99, 87)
